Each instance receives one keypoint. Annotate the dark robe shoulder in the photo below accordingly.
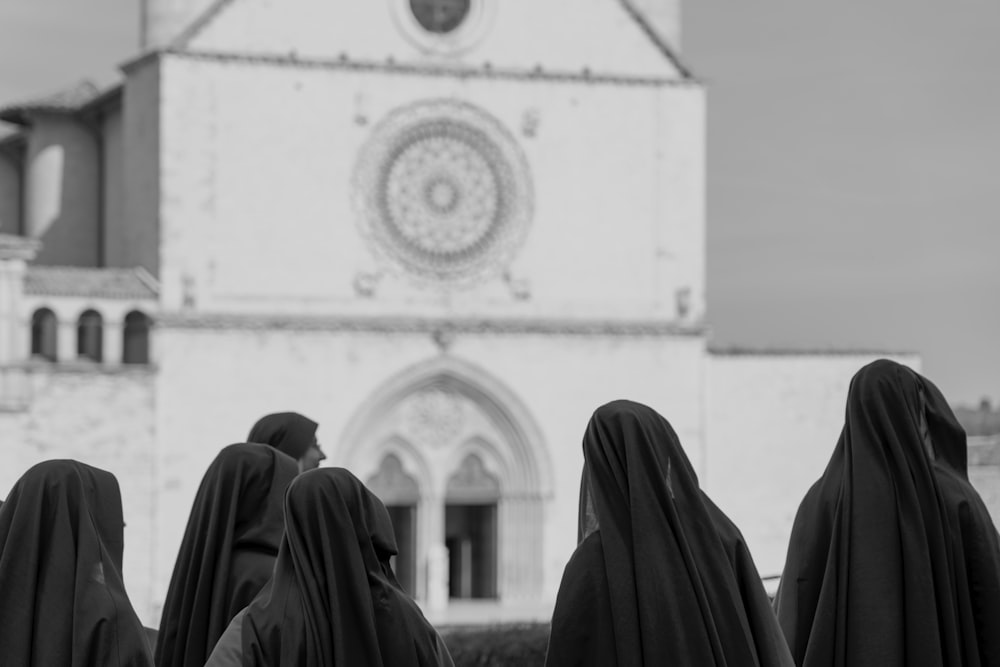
(582, 630)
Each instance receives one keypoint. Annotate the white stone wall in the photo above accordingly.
(986, 480)
(104, 419)
(594, 34)
(257, 214)
(984, 471)
(772, 423)
(214, 384)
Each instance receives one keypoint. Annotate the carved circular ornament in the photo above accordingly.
(443, 193)
(443, 27)
(434, 417)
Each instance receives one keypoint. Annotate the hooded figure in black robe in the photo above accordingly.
(290, 433)
(334, 600)
(228, 550)
(62, 600)
(660, 576)
(893, 558)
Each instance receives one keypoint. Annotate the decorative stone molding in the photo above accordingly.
(530, 122)
(13, 247)
(434, 416)
(449, 71)
(499, 457)
(431, 325)
(365, 284)
(392, 484)
(443, 338)
(472, 482)
(443, 193)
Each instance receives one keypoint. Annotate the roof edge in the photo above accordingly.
(658, 41)
(184, 37)
(748, 351)
(63, 102)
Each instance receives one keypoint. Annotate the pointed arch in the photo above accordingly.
(412, 462)
(440, 414)
(530, 472)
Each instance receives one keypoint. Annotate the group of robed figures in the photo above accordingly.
(893, 558)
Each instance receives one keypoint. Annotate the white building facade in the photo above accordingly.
(447, 230)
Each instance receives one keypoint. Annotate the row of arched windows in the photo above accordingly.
(90, 336)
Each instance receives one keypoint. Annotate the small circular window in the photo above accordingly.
(440, 16)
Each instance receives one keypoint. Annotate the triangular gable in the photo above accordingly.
(601, 37)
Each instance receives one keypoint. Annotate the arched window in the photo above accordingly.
(471, 530)
(90, 336)
(44, 335)
(135, 338)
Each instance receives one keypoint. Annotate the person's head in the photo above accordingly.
(61, 546)
(892, 402)
(290, 433)
(311, 459)
(343, 504)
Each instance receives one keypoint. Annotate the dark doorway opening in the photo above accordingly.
(471, 538)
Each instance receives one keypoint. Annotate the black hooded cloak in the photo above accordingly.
(62, 600)
(661, 576)
(228, 550)
(893, 558)
(334, 601)
(288, 432)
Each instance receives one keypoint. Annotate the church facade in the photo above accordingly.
(447, 230)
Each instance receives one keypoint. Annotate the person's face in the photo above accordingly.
(310, 460)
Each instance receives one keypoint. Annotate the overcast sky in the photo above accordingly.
(854, 165)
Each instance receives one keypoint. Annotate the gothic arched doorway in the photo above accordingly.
(463, 469)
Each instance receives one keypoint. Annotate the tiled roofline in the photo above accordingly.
(18, 113)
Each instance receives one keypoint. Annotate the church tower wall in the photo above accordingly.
(11, 188)
(282, 149)
(113, 193)
(62, 190)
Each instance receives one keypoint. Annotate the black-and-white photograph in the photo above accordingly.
(496, 333)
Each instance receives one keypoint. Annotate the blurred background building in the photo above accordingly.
(445, 229)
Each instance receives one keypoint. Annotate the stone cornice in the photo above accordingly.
(389, 66)
(438, 326)
(18, 247)
(759, 352)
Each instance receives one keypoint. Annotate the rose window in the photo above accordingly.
(443, 193)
